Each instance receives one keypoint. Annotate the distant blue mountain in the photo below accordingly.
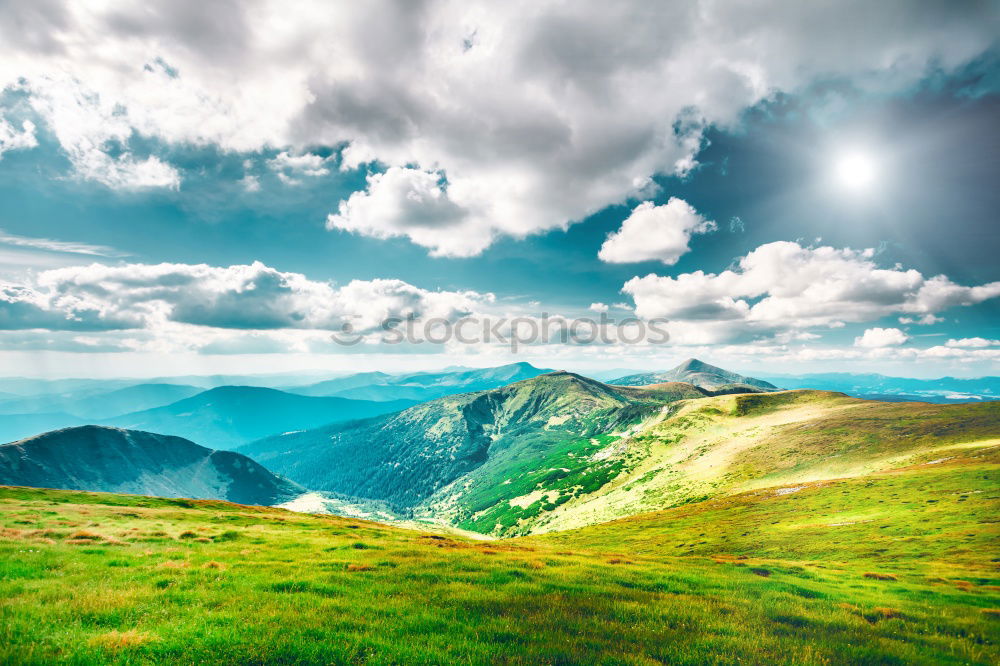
(881, 387)
(101, 404)
(228, 416)
(421, 386)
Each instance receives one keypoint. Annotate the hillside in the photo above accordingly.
(892, 568)
(701, 374)
(405, 457)
(229, 416)
(421, 386)
(723, 445)
(525, 431)
(123, 461)
(562, 451)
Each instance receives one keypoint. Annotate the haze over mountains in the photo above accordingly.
(229, 416)
(101, 404)
(420, 386)
(880, 387)
(105, 459)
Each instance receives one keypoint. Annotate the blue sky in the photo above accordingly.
(797, 199)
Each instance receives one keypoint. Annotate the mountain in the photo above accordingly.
(530, 427)
(97, 458)
(723, 445)
(421, 386)
(102, 404)
(561, 451)
(700, 374)
(228, 416)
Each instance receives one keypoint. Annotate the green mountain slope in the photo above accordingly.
(722, 445)
(406, 457)
(229, 416)
(562, 451)
(890, 568)
(495, 445)
(128, 461)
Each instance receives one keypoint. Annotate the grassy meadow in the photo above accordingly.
(898, 567)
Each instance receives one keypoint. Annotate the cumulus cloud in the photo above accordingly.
(291, 168)
(24, 308)
(974, 343)
(254, 297)
(413, 203)
(12, 138)
(784, 286)
(95, 134)
(925, 320)
(534, 114)
(655, 233)
(874, 338)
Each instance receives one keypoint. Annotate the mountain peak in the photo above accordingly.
(695, 365)
(699, 373)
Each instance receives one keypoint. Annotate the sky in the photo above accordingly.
(191, 187)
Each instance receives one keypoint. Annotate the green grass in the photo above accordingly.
(753, 578)
(565, 470)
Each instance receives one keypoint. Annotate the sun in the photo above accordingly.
(856, 170)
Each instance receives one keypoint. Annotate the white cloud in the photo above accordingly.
(874, 338)
(94, 133)
(290, 168)
(13, 139)
(599, 307)
(659, 233)
(50, 245)
(252, 297)
(783, 286)
(413, 203)
(250, 183)
(976, 343)
(926, 320)
(546, 116)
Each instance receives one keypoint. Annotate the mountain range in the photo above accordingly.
(99, 404)
(552, 451)
(97, 458)
(881, 387)
(700, 374)
(420, 386)
(561, 450)
(229, 416)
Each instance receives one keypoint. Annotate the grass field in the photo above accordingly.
(898, 567)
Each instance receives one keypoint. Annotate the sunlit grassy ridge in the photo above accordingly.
(722, 445)
(895, 567)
